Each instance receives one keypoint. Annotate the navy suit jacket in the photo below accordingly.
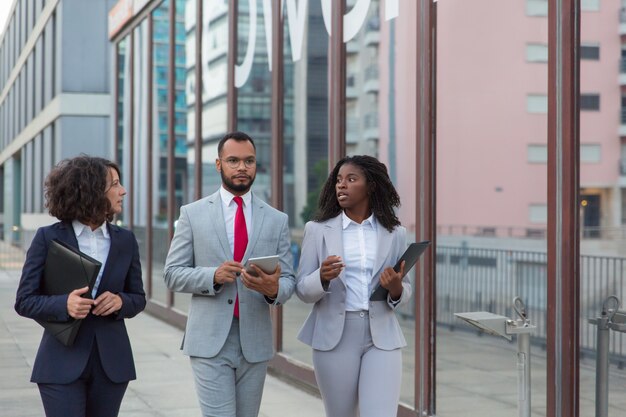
(59, 364)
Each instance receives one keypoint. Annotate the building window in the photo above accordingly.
(590, 52)
(538, 213)
(537, 154)
(536, 52)
(590, 153)
(536, 7)
(590, 5)
(590, 102)
(537, 103)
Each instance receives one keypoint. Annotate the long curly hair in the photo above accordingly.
(383, 197)
(76, 189)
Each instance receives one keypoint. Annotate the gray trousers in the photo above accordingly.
(356, 378)
(227, 385)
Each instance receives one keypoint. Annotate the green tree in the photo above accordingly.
(320, 173)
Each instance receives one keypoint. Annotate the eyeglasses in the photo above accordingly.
(235, 162)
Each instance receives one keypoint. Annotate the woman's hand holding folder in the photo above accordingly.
(77, 306)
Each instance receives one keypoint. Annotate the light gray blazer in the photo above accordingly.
(323, 328)
(200, 245)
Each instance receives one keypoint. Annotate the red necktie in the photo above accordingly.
(241, 240)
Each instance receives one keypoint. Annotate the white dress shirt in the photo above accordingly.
(229, 207)
(95, 243)
(359, 255)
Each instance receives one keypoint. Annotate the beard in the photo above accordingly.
(240, 188)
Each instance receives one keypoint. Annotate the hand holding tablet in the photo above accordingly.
(410, 257)
(266, 263)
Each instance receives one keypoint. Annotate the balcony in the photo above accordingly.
(371, 79)
(622, 71)
(622, 121)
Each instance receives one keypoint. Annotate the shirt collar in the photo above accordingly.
(346, 221)
(80, 227)
(227, 197)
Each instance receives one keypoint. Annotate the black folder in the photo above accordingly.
(66, 270)
(410, 256)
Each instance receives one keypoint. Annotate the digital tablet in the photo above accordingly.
(410, 257)
(267, 263)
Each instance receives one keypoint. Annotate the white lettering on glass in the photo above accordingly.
(352, 21)
(392, 9)
(242, 72)
(296, 23)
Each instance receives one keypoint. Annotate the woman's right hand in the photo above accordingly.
(77, 306)
(331, 268)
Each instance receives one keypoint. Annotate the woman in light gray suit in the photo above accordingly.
(350, 247)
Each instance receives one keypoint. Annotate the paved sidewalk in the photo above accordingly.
(164, 387)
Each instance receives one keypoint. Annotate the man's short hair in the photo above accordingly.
(238, 136)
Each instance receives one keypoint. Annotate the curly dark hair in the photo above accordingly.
(76, 189)
(382, 198)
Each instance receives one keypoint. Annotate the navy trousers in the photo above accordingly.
(93, 394)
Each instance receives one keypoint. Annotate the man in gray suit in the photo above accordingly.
(229, 332)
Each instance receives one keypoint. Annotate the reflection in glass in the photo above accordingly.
(305, 149)
(214, 87)
(602, 204)
(140, 142)
(160, 238)
(254, 97)
(122, 106)
(491, 199)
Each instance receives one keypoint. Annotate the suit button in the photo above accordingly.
(230, 301)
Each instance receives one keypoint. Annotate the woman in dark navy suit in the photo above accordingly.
(90, 377)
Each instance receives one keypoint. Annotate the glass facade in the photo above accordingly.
(176, 96)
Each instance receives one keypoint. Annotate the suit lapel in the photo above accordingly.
(111, 262)
(333, 239)
(258, 215)
(216, 216)
(67, 235)
(383, 246)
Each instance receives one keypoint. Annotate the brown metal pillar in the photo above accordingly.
(198, 105)
(277, 140)
(425, 214)
(563, 220)
(231, 100)
(337, 86)
(149, 156)
(171, 136)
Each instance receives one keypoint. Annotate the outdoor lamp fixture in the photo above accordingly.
(506, 327)
(610, 319)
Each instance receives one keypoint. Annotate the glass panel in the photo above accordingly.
(214, 87)
(380, 124)
(306, 142)
(602, 207)
(123, 109)
(185, 114)
(160, 238)
(254, 94)
(140, 184)
(491, 201)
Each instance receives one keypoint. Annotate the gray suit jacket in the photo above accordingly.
(323, 328)
(200, 245)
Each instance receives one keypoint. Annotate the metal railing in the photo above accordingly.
(474, 279)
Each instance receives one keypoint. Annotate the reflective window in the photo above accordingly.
(602, 206)
(214, 88)
(306, 142)
(135, 178)
(160, 71)
(491, 202)
(122, 107)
